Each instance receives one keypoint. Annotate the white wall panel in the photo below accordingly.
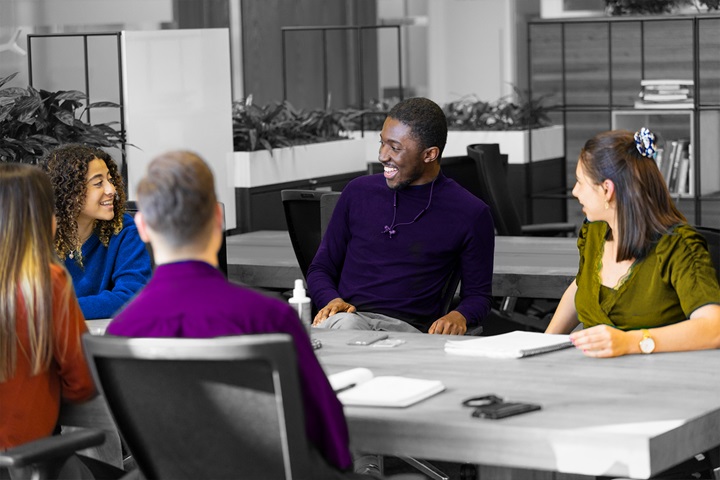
(178, 96)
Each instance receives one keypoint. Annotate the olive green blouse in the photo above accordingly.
(673, 280)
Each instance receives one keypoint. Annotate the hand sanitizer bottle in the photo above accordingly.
(301, 302)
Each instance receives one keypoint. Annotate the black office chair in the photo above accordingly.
(241, 410)
(36, 460)
(712, 237)
(327, 206)
(511, 313)
(302, 215)
(132, 208)
(496, 193)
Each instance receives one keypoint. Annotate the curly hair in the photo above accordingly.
(67, 167)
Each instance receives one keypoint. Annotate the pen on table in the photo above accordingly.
(346, 387)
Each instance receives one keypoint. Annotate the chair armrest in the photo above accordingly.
(550, 229)
(44, 449)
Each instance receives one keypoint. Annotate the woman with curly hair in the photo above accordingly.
(99, 243)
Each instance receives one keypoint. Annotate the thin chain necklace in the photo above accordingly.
(391, 229)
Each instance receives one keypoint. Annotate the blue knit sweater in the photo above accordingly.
(110, 275)
(403, 275)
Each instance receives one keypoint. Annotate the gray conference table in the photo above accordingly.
(631, 416)
(537, 267)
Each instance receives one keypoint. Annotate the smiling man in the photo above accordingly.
(395, 238)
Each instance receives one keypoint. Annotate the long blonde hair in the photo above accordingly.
(27, 246)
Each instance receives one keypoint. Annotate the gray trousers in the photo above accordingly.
(367, 321)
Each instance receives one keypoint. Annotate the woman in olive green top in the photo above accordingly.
(646, 282)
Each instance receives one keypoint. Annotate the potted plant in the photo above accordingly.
(506, 121)
(32, 122)
(278, 143)
(645, 7)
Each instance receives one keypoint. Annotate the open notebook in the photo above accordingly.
(359, 387)
(515, 344)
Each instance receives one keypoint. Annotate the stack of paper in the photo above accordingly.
(358, 387)
(509, 345)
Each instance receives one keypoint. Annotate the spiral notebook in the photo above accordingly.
(516, 344)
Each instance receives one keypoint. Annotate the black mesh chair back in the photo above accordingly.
(327, 206)
(463, 170)
(494, 187)
(712, 237)
(302, 214)
(221, 408)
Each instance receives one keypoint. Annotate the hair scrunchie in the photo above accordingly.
(645, 143)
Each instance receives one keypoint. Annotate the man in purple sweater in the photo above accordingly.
(188, 296)
(395, 238)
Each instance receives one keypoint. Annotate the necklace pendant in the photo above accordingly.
(71, 255)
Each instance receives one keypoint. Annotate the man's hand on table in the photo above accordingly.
(336, 305)
(451, 324)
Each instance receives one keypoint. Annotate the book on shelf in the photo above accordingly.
(358, 387)
(641, 105)
(683, 184)
(665, 93)
(666, 82)
(517, 344)
(676, 175)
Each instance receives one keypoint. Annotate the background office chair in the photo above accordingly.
(496, 193)
(512, 313)
(241, 412)
(132, 208)
(302, 215)
(327, 205)
(712, 237)
(33, 460)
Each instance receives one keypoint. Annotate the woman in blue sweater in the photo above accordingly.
(99, 243)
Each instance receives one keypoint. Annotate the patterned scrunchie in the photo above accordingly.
(645, 143)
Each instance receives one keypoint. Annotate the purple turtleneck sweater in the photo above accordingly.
(194, 300)
(403, 275)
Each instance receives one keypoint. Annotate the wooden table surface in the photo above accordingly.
(631, 416)
(538, 267)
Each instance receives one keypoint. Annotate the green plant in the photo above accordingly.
(516, 112)
(32, 122)
(258, 127)
(640, 7)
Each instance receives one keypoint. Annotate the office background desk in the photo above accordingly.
(537, 267)
(631, 416)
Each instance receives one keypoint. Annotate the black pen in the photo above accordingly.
(346, 387)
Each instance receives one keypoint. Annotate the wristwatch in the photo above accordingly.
(647, 344)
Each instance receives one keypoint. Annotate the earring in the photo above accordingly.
(607, 205)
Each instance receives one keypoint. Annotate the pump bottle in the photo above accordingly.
(301, 303)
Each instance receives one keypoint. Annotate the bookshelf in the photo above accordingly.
(591, 71)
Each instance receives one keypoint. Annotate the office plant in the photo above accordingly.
(32, 122)
(258, 127)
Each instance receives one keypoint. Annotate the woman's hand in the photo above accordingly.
(606, 341)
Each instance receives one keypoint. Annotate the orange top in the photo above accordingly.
(30, 404)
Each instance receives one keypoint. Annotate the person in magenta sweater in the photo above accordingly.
(394, 238)
(189, 297)
(100, 245)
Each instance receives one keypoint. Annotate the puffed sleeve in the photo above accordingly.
(689, 269)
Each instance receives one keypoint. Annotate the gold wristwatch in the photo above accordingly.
(647, 344)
